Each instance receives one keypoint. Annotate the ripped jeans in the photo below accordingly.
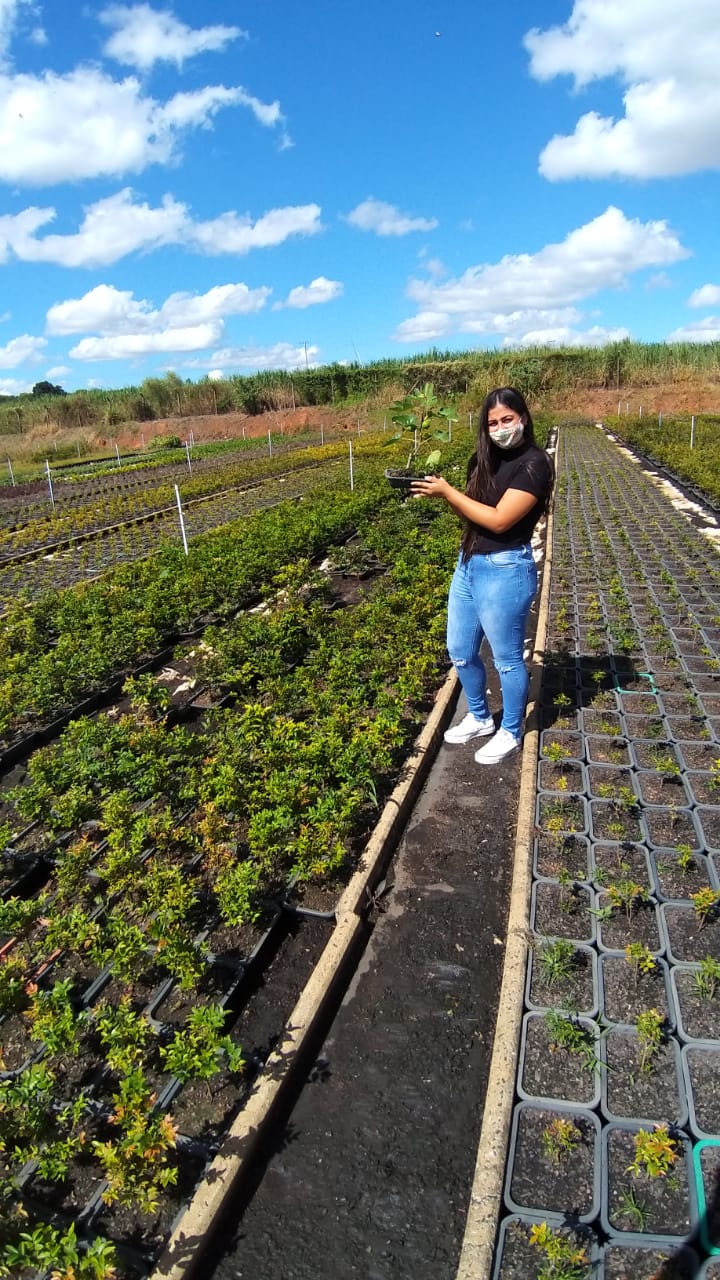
(490, 596)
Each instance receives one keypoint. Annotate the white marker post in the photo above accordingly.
(470, 420)
(352, 479)
(618, 408)
(78, 447)
(692, 432)
(142, 438)
(269, 443)
(322, 433)
(12, 477)
(385, 423)
(659, 419)
(49, 480)
(182, 520)
(187, 451)
(117, 454)
(640, 412)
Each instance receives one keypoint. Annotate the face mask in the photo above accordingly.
(508, 437)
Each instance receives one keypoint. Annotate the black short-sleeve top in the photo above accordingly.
(529, 469)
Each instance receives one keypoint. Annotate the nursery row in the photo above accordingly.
(75, 641)
(95, 553)
(87, 508)
(613, 1168)
(692, 453)
(160, 923)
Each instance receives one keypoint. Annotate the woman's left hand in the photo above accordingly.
(430, 487)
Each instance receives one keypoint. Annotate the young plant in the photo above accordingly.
(419, 415)
(649, 1027)
(706, 903)
(685, 859)
(200, 1050)
(707, 978)
(556, 957)
(563, 1259)
(54, 1020)
(634, 1209)
(560, 1138)
(569, 1034)
(641, 958)
(123, 1034)
(136, 1164)
(656, 1152)
(627, 894)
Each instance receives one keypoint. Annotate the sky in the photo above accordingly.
(219, 188)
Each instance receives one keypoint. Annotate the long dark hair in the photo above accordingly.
(487, 457)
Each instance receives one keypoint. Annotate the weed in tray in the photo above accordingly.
(563, 1258)
(560, 1138)
(556, 957)
(633, 1208)
(650, 1027)
(656, 1152)
(707, 978)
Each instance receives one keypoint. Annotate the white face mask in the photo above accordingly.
(508, 437)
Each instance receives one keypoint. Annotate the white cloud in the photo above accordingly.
(386, 220)
(705, 330)
(84, 124)
(119, 225)
(9, 13)
(319, 290)
(57, 371)
(125, 346)
(666, 55)
(13, 387)
(525, 293)
(215, 375)
(21, 350)
(127, 326)
(708, 295)
(142, 36)
(563, 336)
(250, 359)
(38, 36)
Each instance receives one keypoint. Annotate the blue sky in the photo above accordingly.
(222, 187)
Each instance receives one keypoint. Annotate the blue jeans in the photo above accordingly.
(490, 595)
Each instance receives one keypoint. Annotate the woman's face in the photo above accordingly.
(506, 427)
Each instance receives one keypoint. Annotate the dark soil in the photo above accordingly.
(634, 1093)
(659, 788)
(699, 1015)
(652, 1263)
(675, 881)
(668, 826)
(690, 940)
(549, 1072)
(703, 1069)
(559, 1183)
(556, 854)
(627, 993)
(371, 1174)
(562, 911)
(710, 1168)
(640, 926)
(574, 991)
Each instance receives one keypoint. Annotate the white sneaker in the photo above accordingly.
(470, 728)
(502, 745)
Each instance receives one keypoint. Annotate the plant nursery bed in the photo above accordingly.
(626, 991)
(698, 1007)
(553, 1161)
(649, 1262)
(677, 877)
(633, 1089)
(640, 1204)
(517, 1258)
(689, 939)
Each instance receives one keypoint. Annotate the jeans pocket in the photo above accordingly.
(510, 557)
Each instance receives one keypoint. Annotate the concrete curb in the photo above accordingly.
(192, 1234)
(476, 1257)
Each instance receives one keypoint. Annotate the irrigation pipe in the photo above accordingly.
(285, 1067)
(476, 1257)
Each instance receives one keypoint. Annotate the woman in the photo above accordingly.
(509, 481)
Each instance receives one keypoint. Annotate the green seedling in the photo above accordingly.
(200, 1050)
(641, 958)
(705, 903)
(649, 1027)
(685, 859)
(563, 1259)
(627, 894)
(556, 957)
(569, 1034)
(556, 752)
(656, 1152)
(560, 1138)
(707, 978)
(634, 1209)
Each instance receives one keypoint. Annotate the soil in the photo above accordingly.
(652, 1263)
(690, 940)
(641, 925)
(546, 1072)
(676, 882)
(667, 826)
(561, 1183)
(561, 911)
(703, 1071)
(633, 1093)
(370, 1175)
(519, 1259)
(710, 1168)
(554, 854)
(627, 993)
(574, 991)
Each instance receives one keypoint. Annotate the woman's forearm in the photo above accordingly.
(513, 505)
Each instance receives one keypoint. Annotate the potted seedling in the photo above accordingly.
(421, 416)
